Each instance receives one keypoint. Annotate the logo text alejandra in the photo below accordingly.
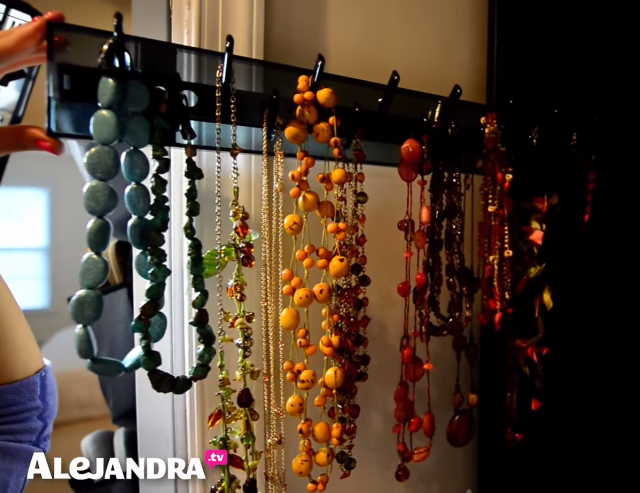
(149, 468)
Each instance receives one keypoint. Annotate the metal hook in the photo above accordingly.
(186, 130)
(318, 72)
(227, 64)
(272, 114)
(113, 54)
(384, 102)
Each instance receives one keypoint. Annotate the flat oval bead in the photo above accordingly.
(135, 165)
(158, 327)
(86, 345)
(136, 131)
(139, 232)
(133, 360)
(86, 306)
(137, 199)
(105, 127)
(94, 271)
(110, 92)
(106, 367)
(102, 163)
(142, 265)
(137, 97)
(98, 234)
(100, 198)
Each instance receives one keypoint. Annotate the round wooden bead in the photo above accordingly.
(139, 232)
(136, 131)
(86, 345)
(293, 224)
(98, 234)
(296, 132)
(322, 132)
(289, 319)
(137, 199)
(302, 465)
(109, 93)
(99, 198)
(307, 380)
(303, 297)
(135, 165)
(307, 113)
(308, 201)
(327, 98)
(324, 456)
(86, 306)
(94, 271)
(321, 432)
(106, 367)
(334, 378)
(105, 127)
(137, 97)
(295, 405)
(131, 361)
(322, 292)
(101, 163)
(339, 267)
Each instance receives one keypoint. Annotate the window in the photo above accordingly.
(24, 245)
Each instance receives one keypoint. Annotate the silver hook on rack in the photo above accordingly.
(318, 72)
(113, 54)
(227, 64)
(384, 102)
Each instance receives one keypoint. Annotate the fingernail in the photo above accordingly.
(45, 146)
(36, 19)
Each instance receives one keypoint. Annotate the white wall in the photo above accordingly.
(60, 175)
(433, 45)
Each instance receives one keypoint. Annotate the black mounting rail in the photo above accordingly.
(383, 115)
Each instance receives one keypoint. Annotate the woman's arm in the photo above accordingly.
(20, 356)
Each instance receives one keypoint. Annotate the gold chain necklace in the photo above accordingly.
(271, 284)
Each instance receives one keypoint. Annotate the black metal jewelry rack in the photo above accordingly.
(384, 116)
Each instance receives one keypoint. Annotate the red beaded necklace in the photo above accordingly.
(412, 367)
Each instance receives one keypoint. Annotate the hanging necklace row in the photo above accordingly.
(240, 440)
(123, 100)
(340, 290)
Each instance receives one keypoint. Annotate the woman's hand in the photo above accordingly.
(23, 47)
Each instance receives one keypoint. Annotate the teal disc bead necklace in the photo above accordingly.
(119, 118)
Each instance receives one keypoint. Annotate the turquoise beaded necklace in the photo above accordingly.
(120, 118)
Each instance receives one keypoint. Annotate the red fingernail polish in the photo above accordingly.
(43, 145)
(36, 19)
